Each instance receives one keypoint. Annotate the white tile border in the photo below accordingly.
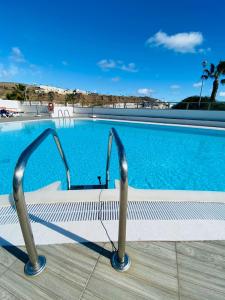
(56, 196)
(85, 231)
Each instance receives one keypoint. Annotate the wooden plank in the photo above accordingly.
(202, 253)
(157, 250)
(68, 269)
(22, 288)
(198, 267)
(108, 290)
(75, 271)
(72, 263)
(90, 296)
(212, 248)
(201, 276)
(3, 269)
(153, 262)
(5, 295)
(220, 243)
(6, 258)
(190, 291)
(56, 284)
(139, 282)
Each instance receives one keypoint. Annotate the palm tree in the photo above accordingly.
(215, 72)
(72, 97)
(40, 95)
(51, 96)
(69, 98)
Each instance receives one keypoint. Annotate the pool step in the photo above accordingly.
(88, 187)
(50, 194)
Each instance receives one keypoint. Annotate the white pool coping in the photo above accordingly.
(86, 231)
(137, 230)
(52, 194)
(158, 123)
(125, 121)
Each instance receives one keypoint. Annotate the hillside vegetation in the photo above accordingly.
(16, 91)
(193, 103)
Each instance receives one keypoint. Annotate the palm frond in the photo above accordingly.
(207, 72)
(212, 68)
(204, 77)
(221, 67)
(222, 81)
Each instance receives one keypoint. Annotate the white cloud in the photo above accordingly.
(107, 64)
(222, 94)
(17, 64)
(204, 51)
(7, 72)
(131, 67)
(175, 87)
(197, 84)
(145, 91)
(17, 56)
(116, 79)
(185, 42)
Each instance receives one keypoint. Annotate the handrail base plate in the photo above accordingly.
(31, 271)
(120, 267)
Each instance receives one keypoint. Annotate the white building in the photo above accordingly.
(46, 89)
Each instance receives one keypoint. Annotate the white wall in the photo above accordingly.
(198, 117)
(10, 104)
(36, 109)
(173, 113)
(26, 108)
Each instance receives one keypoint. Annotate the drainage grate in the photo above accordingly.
(137, 210)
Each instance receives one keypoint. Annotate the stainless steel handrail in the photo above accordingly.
(66, 110)
(61, 113)
(120, 260)
(36, 264)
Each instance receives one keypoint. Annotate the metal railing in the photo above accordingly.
(36, 264)
(66, 110)
(167, 105)
(164, 105)
(61, 113)
(215, 106)
(120, 260)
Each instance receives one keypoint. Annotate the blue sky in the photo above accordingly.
(114, 47)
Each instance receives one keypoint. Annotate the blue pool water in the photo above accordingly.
(159, 157)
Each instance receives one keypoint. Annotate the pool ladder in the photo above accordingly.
(63, 114)
(36, 264)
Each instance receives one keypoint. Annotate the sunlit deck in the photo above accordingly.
(160, 270)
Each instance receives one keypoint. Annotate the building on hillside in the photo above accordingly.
(47, 89)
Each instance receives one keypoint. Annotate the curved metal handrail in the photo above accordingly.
(61, 113)
(36, 264)
(66, 110)
(120, 260)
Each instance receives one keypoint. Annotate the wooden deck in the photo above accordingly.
(160, 270)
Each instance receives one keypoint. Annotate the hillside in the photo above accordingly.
(35, 93)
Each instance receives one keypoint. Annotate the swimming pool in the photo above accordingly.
(159, 157)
